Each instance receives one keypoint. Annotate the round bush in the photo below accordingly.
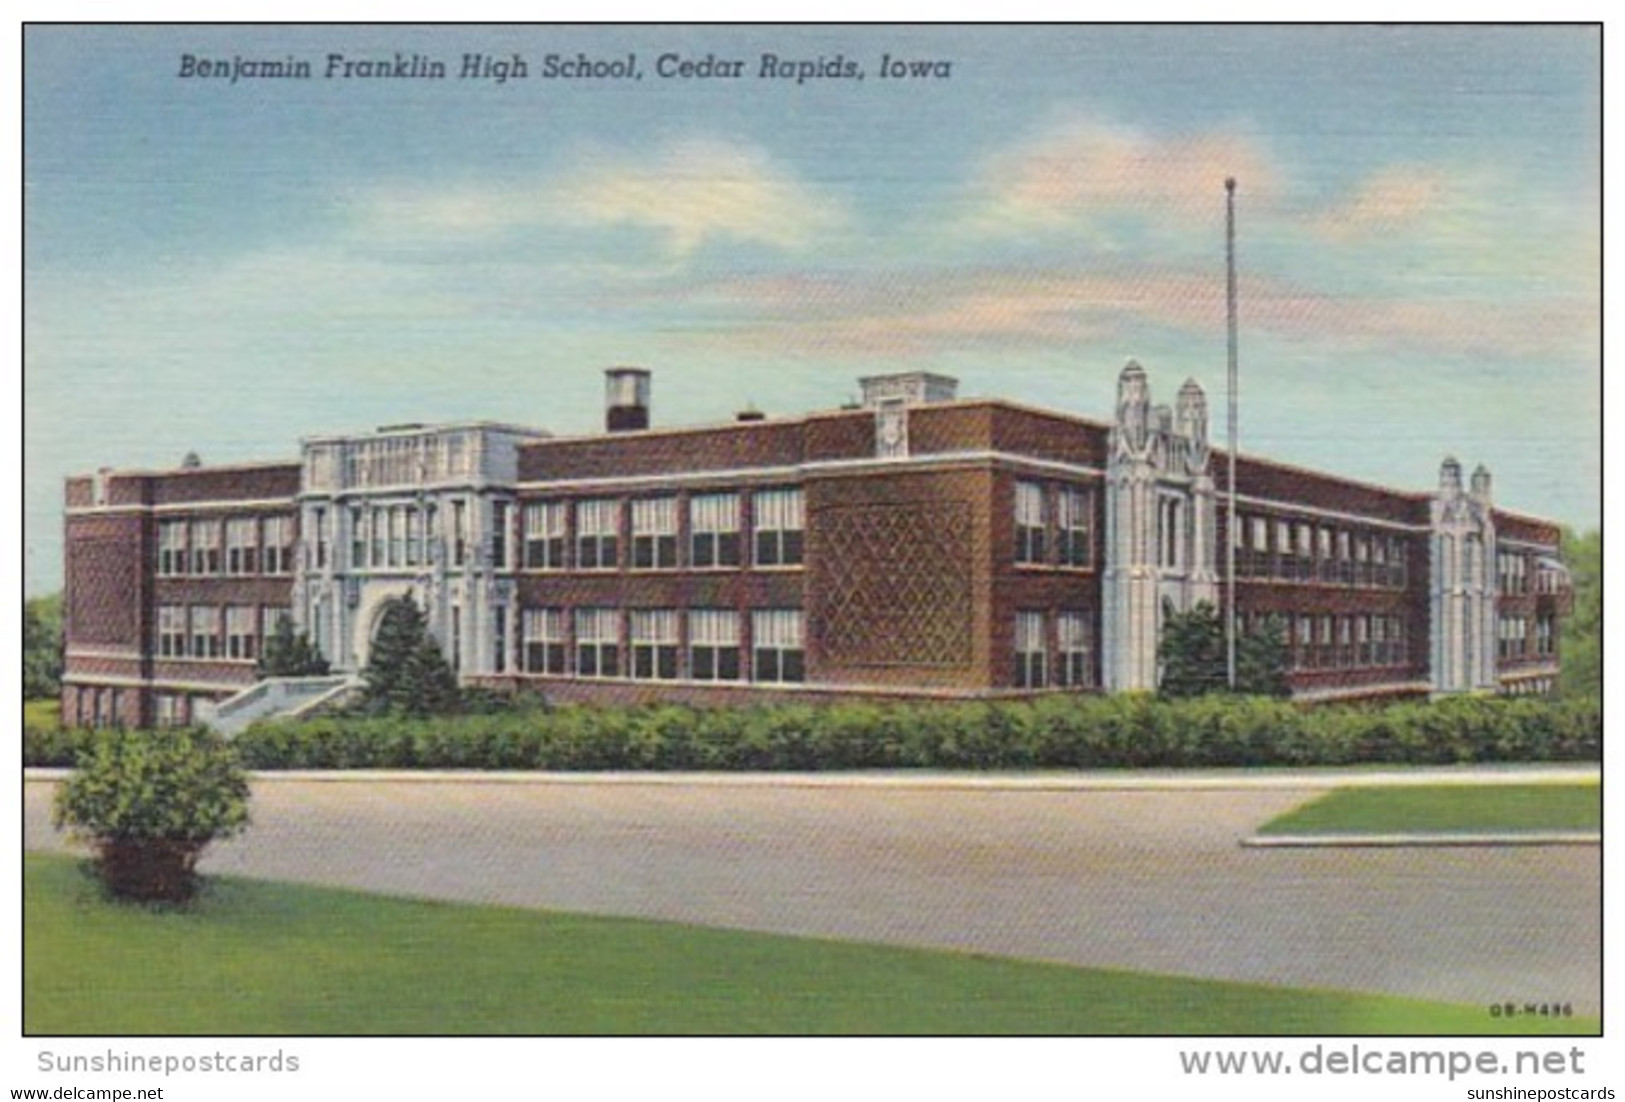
(148, 802)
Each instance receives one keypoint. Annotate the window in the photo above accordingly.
(545, 640)
(501, 513)
(205, 631)
(598, 525)
(1545, 636)
(598, 642)
(713, 645)
(1362, 642)
(205, 547)
(168, 710)
(1514, 641)
(278, 545)
(713, 524)
(240, 634)
(414, 536)
(1075, 637)
(654, 644)
(654, 533)
(1073, 515)
(240, 558)
(1029, 522)
(358, 538)
(1304, 639)
(1170, 532)
(397, 535)
(272, 617)
(319, 522)
(171, 631)
(1032, 655)
(780, 523)
(777, 646)
(1261, 535)
(499, 639)
(459, 532)
(544, 535)
(171, 547)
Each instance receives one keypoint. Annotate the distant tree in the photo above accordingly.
(42, 647)
(1195, 661)
(1192, 651)
(1262, 658)
(290, 654)
(406, 673)
(1581, 652)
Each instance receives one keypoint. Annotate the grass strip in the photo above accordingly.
(1447, 809)
(263, 957)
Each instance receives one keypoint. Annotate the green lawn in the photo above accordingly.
(1451, 809)
(46, 714)
(263, 957)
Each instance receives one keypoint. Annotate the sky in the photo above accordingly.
(224, 267)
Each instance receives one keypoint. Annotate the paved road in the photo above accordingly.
(1149, 880)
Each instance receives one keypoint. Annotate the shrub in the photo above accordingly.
(148, 802)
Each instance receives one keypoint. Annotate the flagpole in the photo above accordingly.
(1232, 381)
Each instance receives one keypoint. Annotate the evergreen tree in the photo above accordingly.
(42, 647)
(1581, 652)
(406, 673)
(1194, 659)
(287, 654)
(1192, 651)
(1261, 660)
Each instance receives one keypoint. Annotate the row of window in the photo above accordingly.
(233, 546)
(1054, 525)
(697, 531)
(1319, 641)
(1298, 551)
(1513, 642)
(653, 645)
(215, 631)
(405, 535)
(1054, 649)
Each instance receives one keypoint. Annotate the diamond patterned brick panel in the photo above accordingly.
(103, 574)
(899, 584)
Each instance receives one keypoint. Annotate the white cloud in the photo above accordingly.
(1086, 168)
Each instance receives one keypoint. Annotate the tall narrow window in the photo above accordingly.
(1029, 522)
(1075, 637)
(713, 644)
(414, 535)
(654, 533)
(1073, 515)
(240, 546)
(171, 547)
(598, 642)
(501, 514)
(654, 644)
(205, 547)
(499, 639)
(713, 524)
(544, 535)
(459, 532)
(544, 640)
(318, 518)
(278, 550)
(1032, 651)
(358, 538)
(397, 535)
(1170, 532)
(780, 522)
(598, 526)
(778, 648)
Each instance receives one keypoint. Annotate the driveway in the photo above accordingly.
(1150, 879)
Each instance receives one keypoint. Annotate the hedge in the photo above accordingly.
(1052, 732)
